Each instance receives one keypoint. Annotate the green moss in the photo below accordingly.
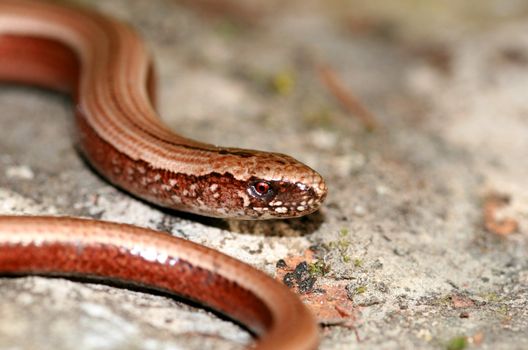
(283, 82)
(318, 268)
(491, 297)
(360, 289)
(338, 248)
(443, 301)
(343, 244)
(457, 343)
(503, 310)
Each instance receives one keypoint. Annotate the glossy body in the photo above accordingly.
(104, 66)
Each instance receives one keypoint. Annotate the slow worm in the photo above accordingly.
(103, 64)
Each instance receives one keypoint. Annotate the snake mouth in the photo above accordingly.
(291, 201)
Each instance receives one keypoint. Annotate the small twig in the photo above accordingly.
(349, 102)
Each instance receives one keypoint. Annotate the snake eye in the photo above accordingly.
(261, 189)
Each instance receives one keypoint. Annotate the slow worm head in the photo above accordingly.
(104, 64)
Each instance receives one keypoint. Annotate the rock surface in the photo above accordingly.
(415, 230)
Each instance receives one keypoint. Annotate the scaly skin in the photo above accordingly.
(105, 67)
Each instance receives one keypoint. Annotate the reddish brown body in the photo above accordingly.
(87, 248)
(103, 64)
